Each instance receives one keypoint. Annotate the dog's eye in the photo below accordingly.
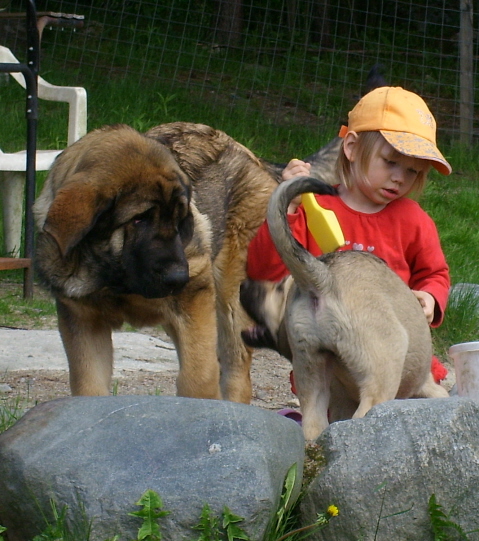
(138, 220)
(142, 218)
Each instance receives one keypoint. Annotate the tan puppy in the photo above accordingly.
(355, 332)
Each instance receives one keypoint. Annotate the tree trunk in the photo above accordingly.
(230, 22)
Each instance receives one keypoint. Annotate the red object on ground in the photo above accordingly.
(439, 371)
(291, 380)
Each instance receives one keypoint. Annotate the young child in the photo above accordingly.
(388, 148)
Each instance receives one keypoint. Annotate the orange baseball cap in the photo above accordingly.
(403, 119)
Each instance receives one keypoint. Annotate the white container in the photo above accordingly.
(466, 363)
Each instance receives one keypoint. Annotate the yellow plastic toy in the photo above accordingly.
(323, 224)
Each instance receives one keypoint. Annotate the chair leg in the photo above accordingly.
(12, 184)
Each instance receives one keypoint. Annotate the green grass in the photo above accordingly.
(36, 313)
(11, 409)
(453, 202)
(461, 323)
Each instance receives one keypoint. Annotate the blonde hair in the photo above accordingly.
(368, 143)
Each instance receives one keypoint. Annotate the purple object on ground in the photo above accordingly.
(292, 414)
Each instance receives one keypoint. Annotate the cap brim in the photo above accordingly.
(417, 147)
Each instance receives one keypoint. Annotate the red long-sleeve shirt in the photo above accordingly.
(402, 234)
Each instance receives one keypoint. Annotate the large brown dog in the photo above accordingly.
(356, 334)
(153, 229)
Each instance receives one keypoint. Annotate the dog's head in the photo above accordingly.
(116, 207)
(265, 303)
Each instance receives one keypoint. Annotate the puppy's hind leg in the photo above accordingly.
(378, 381)
(431, 389)
(372, 394)
(312, 376)
(235, 357)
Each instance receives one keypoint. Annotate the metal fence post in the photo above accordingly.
(467, 77)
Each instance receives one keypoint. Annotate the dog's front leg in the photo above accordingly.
(192, 327)
(312, 376)
(87, 341)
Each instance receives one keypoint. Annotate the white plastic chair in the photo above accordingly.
(13, 165)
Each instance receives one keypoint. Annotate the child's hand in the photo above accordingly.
(295, 168)
(428, 302)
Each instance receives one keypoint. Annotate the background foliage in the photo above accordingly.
(289, 62)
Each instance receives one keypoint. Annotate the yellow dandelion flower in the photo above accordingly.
(333, 511)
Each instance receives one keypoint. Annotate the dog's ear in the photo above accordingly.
(73, 214)
(252, 296)
(259, 337)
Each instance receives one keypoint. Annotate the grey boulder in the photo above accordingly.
(98, 455)
(382, 470)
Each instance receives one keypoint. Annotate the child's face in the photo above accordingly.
(390, 175)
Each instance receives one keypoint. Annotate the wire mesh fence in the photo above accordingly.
(288, 61)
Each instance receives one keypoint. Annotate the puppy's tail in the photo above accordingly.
(308, 272)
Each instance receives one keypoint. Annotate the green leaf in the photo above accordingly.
(208, 525)
(440, 522)
(235, 532)
(230, 521)
(151, 504)
(284, 502)
(150, 531)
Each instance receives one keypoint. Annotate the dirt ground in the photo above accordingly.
(270, 378)
(269, 375)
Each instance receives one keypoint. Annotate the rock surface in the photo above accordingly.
(102, 453)
(383, 469)
(99, 455)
